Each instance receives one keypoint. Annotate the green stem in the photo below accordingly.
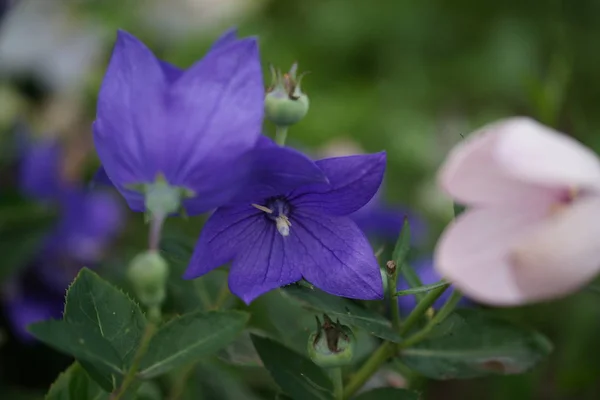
(385, 351)
(135, 365)
(281, 135)
(421, 309)
(392, 280)
(179, 385)
(338, 383)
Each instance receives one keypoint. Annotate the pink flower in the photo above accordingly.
(532, 228)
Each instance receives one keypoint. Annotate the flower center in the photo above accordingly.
(277, 210)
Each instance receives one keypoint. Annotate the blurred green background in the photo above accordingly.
(409, 77)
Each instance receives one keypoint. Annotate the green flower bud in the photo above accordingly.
(148, 273)
(332, 345)
(160, 198)
(285, 104)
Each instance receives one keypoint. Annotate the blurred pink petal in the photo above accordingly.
(472, 174)
(562, 254)
(535, 153)
(473, 253)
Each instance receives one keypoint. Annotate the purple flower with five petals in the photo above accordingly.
(190, 127)
(292, 223)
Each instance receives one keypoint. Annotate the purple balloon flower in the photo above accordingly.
(190, 127)
(288, 227)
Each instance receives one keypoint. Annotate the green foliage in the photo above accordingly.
(471, 344)
(388, 394)
(75, 384)
(348, 312)
(294, 373)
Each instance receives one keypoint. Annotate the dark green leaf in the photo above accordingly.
(389, 394)
(422, 289)
(471, 344)
(295, 374)
(107, 310)
(458, 209)
(190, 337)
(402, 244)
(75, 384)
(348, 312)
(80, 341)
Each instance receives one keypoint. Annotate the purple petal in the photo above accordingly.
(130, 131)
(228, 230)
(336, 256)
(100, 178)
(40, 170)
(354, 180)
(171, 72)
(276, 170)
(226, 38)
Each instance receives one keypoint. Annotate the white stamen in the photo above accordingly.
(263, 208)
(283, 225)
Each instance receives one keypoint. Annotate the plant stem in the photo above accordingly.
(392, 281)
(281, 135)
(156, 224)
(385, 351)
(421, 309)
(338, 383)
(141, 351)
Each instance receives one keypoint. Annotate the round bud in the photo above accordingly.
(148, 273)
(332, 345)
(283, 110)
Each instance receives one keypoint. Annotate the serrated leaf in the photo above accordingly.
(186, 339)
(389, 394)
(75, 384)
(94, 302)
(295, 374)
(471, 344)
(80, 341)
(348, 312)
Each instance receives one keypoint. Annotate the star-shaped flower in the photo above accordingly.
(530, 231)
(293, 223)
(190, 128)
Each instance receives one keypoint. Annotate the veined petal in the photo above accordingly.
(562, 254)
(216, 112)
(353, 181)
(265, 263)
(473, 253)
(227, 232)
(535, 153)
(130, 131)
(335, 256)
(473, 175)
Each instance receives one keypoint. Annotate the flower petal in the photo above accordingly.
(171, 72)
(40, 170)
(562, 254)
(129, 131)
(335, 256)
(265, 264)
(227, 231)
(353, 181)
(472, 253)
(472, 174)
(216, 112)
(535, 153)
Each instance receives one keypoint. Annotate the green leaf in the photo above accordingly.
(458, 209)
(94, 302)
(23, 227)
(389, 394)
(295, 374)
(75, 384)
(422, 289)
(348, 312)
(471, 344)
(80, 341)
(186, 339)
(402, 244)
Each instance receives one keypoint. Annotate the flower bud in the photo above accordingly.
(332, 345)
(285, 104)
(148, 273)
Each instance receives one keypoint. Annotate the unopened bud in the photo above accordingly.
(148, 273)
(332, 345)
(285, 104)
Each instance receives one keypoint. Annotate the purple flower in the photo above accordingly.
(428, 275)
(381, 221)
(190, 127)
(288, 227)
